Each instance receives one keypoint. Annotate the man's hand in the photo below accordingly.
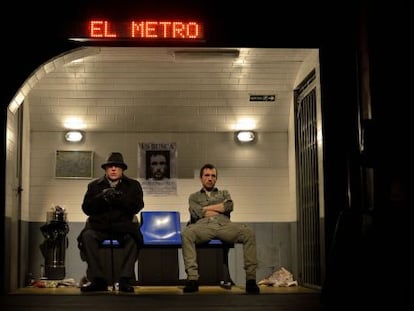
(210, 213)
(213, 210)
(111, 195)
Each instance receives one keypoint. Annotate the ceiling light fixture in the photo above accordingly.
(209, 54)
(74, 136)
(245, 136)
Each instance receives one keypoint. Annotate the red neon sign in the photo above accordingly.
(146, 29)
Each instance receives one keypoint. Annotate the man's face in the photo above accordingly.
(158, 165)
(209, 178)
(113, 172)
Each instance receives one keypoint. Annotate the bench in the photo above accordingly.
(158, 259)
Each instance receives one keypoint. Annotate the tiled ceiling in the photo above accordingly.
(136, 89)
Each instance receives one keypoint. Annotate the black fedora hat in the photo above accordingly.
(115, 158)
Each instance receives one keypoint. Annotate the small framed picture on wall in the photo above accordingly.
(74, 164)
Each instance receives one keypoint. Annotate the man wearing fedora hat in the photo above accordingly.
(111, 204)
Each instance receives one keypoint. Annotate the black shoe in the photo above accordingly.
(125, 285)
(191, 286)
(225, 284)
(126, 288)
(97, 285)
(251, 287)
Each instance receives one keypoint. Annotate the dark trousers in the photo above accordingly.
(106, 263)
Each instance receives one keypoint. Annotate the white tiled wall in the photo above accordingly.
(257, 175)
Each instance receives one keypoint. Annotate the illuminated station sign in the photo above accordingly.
(143, 29)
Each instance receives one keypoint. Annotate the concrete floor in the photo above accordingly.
(155, 298)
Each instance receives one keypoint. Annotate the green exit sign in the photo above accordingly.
(262, 98)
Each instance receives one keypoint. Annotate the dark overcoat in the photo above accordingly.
(114, 217)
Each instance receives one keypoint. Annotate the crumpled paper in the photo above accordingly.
(53, 283)
(279, 278)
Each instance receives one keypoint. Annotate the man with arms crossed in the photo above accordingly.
(210, 208)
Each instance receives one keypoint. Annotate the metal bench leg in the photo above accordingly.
(226, 282)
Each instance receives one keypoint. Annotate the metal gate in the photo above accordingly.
(307, 183)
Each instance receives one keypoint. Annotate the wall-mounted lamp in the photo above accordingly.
(74, 136)
(245, 136)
